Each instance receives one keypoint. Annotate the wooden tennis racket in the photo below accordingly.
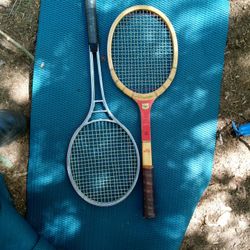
(142, 56)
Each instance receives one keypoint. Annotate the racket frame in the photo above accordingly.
(145, 102)
(154, 94)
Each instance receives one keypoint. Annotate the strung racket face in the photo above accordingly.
(142, 51)
(103, 162)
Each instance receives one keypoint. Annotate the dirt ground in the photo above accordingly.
(222, 218)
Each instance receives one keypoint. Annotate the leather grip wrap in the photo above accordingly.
(149, 211)
(90, 9)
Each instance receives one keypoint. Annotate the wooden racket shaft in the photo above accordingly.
(147, 165)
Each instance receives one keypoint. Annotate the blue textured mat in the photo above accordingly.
(184, 122)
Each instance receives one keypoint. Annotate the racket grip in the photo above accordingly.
(149, 211)
(90, 9)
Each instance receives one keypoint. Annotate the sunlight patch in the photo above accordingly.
(195, 166)
(62, 223)
(5, 3)
(20, 90)
(204, 134)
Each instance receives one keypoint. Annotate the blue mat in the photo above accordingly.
(184, 123)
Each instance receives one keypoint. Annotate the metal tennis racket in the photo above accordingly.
(142, 56)
(103, 161)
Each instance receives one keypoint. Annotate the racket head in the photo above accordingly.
(103, 162)
(142, 52)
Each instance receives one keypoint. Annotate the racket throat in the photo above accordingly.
(145, 110)
(98, 101)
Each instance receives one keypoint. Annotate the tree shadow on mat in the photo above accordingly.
(183, 131)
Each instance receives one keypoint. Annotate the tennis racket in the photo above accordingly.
(142, 56)
(103, 161)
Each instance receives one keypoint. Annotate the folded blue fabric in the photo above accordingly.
(241, 130)
(184, 123)
(15, 232)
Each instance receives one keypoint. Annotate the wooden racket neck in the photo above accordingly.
(145, 110)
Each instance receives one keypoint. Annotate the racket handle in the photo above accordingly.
(149, 211)
(90, 8)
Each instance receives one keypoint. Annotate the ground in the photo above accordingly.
(222, 218)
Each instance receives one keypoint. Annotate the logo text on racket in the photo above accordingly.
(145, 106)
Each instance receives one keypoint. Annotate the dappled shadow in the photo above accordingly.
(221, 219)
(177, 179)
(18, 19)
(239, 197)
(8, 102)
(237, 189)
(235, 85)
(183, 152)
(18, 24)
(223, 179)
(198, 240)
(230, 109)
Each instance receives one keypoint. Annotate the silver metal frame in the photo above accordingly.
(87, 121)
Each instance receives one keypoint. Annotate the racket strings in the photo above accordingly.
(103, 162)
(142, 51)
